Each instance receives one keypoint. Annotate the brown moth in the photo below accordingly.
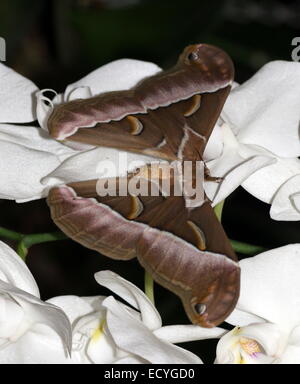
(169, 116)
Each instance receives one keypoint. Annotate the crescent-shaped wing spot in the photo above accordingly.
(135, 124)
(136, 208)
(201, 243)
(195, 105)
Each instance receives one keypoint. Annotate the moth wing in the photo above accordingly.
(159, 116)
(77, 212)
(169, 240)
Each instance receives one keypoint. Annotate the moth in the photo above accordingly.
(170, 117)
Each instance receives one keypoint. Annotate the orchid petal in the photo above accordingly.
(38, 312)
(183, 333)
(35, 139)
(11, 316)
(133, 295)
(27, 156)
(14, 271)
(16, 97)
(265, 110)
(82, 92)
(92, 342)
(243, 318)
(233, 166)
(73, 306)
(44, 107)
(268, 335)
(235, 177)
(132, 336)
(214, 146)
(255, 344)
(272, 277)
(291, 354)
(42, 347)
(265, 183)
(284, 205)
(22, 170)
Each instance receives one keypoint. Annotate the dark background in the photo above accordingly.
(57, 42)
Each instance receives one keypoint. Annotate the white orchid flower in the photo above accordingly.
(235, 165)
(261, 140)
(267, 315)
(107, 331)
(31, 330)
(27, 153)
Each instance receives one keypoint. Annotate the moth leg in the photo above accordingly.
(208, 177)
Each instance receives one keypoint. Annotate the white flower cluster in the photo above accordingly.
(86, 330)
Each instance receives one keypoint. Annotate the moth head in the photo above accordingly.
(210, 306)
(207, 58)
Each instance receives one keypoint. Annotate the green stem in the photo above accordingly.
(6, 233)
(247, 249)
(149, 287)
(26, 241)
(22, 250)
(39, 238)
